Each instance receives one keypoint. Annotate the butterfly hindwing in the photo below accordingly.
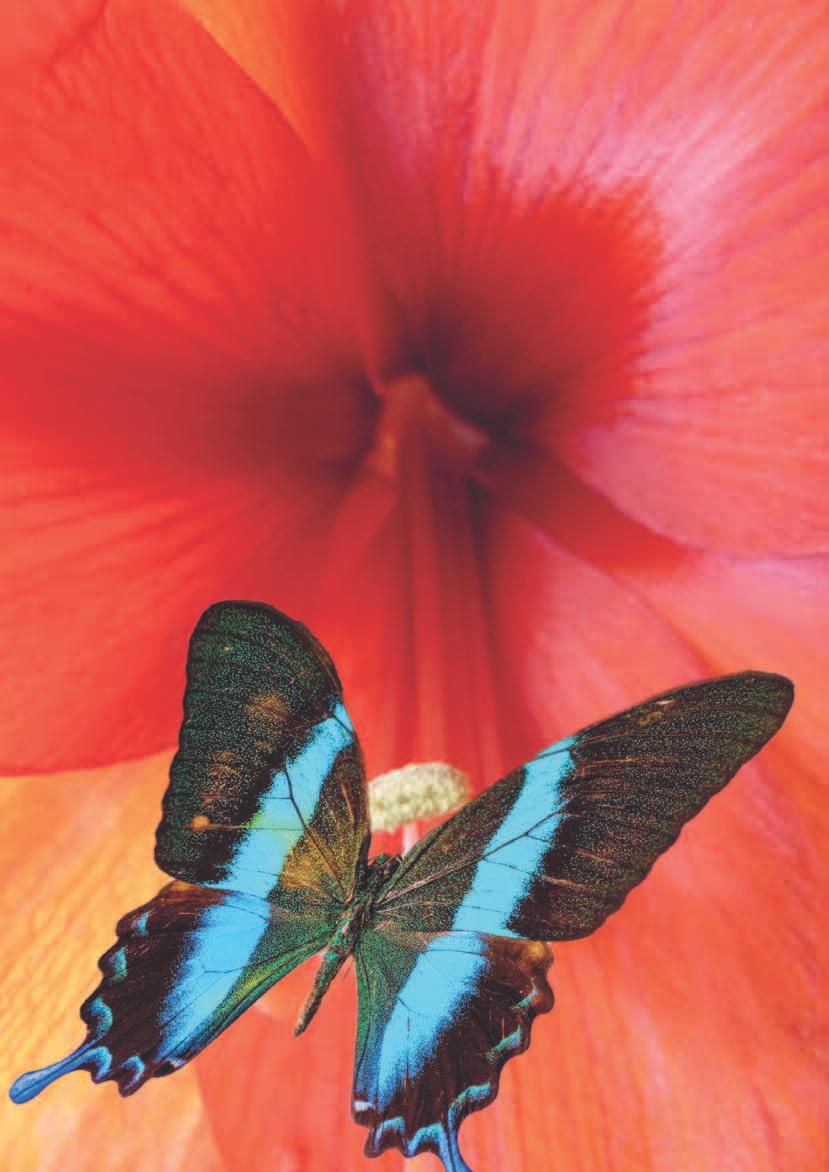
(184, 967)
(439, 1016)
(267, 789)
(545, 854)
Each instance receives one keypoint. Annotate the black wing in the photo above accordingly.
(551, 850)
(267, 790)
(449, 975)
(264, 829)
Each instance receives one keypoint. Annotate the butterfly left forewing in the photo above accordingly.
(267, 789)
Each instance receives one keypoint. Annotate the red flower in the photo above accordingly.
(485, 340)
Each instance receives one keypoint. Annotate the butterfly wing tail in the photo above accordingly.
(185, 966)
(88, 1056)
(449, 1151)
(440, 1014)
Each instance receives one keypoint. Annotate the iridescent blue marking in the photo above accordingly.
(289, 802)
(134, 1067)
(433, 991)
(118, 966)
(100, 1015)
(430, 1138)
(96, 1059)
(227, 937)
(512, 857)
(101, 1059)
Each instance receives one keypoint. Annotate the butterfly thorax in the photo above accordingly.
(349, 928)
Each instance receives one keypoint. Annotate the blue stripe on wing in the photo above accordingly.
(426, 1003)
(214, 962)
(185, 966)
(513, 856)
(286, 808)
(439, 1016)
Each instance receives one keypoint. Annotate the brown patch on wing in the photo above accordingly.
(222, 774)
(267, 711)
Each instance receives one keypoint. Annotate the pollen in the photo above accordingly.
(200, 822)
(416, 791)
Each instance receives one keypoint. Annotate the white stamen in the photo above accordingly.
(423, 790)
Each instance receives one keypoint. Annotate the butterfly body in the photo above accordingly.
(356, 914)
(265, 836)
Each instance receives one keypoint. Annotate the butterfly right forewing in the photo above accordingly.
(549, 852)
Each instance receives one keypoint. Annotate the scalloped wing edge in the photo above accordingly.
(442, 1138)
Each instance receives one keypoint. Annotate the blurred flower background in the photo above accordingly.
(488, 341)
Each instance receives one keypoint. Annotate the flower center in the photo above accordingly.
(412, 414)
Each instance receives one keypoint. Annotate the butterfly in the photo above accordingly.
(265, 835)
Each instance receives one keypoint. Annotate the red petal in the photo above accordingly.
(573, 644)
(175, 313)
(719, 437)
(174, 284)
(104, 583)
(598, 226)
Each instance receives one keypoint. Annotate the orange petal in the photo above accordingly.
(76, 853)
(266, 39)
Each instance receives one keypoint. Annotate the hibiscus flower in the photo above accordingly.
(485, 340)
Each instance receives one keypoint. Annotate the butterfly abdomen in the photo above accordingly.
(347, 935)
(332, 961)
